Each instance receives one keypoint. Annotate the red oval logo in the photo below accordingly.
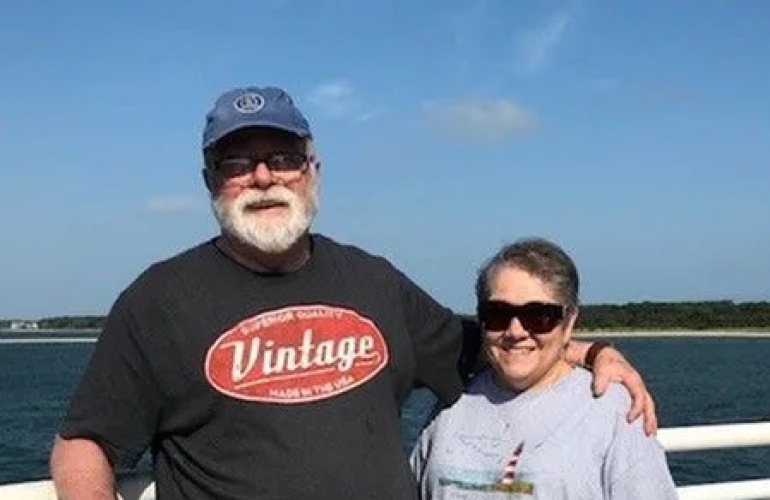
(296, 355)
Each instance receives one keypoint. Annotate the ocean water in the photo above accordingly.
(694, 381)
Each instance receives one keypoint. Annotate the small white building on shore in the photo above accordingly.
(24, 325)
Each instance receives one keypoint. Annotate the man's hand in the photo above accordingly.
(611, 366)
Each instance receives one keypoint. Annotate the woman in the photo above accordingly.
(528, 427)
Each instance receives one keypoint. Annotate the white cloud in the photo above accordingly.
(339, 100)
(174, 204)
(534, 47)
(335, 98)
(478, 120)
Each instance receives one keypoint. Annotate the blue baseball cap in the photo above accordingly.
(245, 107)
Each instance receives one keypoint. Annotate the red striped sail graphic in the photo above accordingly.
(509, 471)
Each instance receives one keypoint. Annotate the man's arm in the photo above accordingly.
(610, 366)
(81, 471)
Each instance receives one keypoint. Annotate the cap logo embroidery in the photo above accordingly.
(250, 102)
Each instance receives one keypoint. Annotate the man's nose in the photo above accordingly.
(261, 176)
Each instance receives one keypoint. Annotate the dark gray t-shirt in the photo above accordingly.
(558, 442)
(266, 386)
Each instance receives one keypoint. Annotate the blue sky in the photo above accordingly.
(634, 134)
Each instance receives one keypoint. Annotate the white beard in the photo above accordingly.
(270, 235)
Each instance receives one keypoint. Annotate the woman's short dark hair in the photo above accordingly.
(538, 257)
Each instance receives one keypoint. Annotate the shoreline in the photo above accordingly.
(53, 331)
(746, 334)
(582, 334)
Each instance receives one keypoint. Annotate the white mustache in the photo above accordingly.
(276, 194)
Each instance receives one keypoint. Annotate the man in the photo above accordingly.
(268, 362)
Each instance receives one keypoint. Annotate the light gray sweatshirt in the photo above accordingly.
(554, 443)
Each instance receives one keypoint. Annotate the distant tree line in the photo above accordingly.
(714, 315)
(73, 322)
(65, 323)
(711, 315)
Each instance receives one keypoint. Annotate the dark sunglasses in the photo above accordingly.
(275, 162)
(535, 317)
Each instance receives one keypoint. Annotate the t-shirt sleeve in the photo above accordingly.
(116, 404)
(636, 466)
(437, 336)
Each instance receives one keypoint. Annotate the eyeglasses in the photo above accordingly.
(535, 317)
(277, 162)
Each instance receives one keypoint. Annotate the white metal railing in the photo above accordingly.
(719, 436)
(674, 439)
(715, 436)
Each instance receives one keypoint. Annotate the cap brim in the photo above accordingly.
(257, 123)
